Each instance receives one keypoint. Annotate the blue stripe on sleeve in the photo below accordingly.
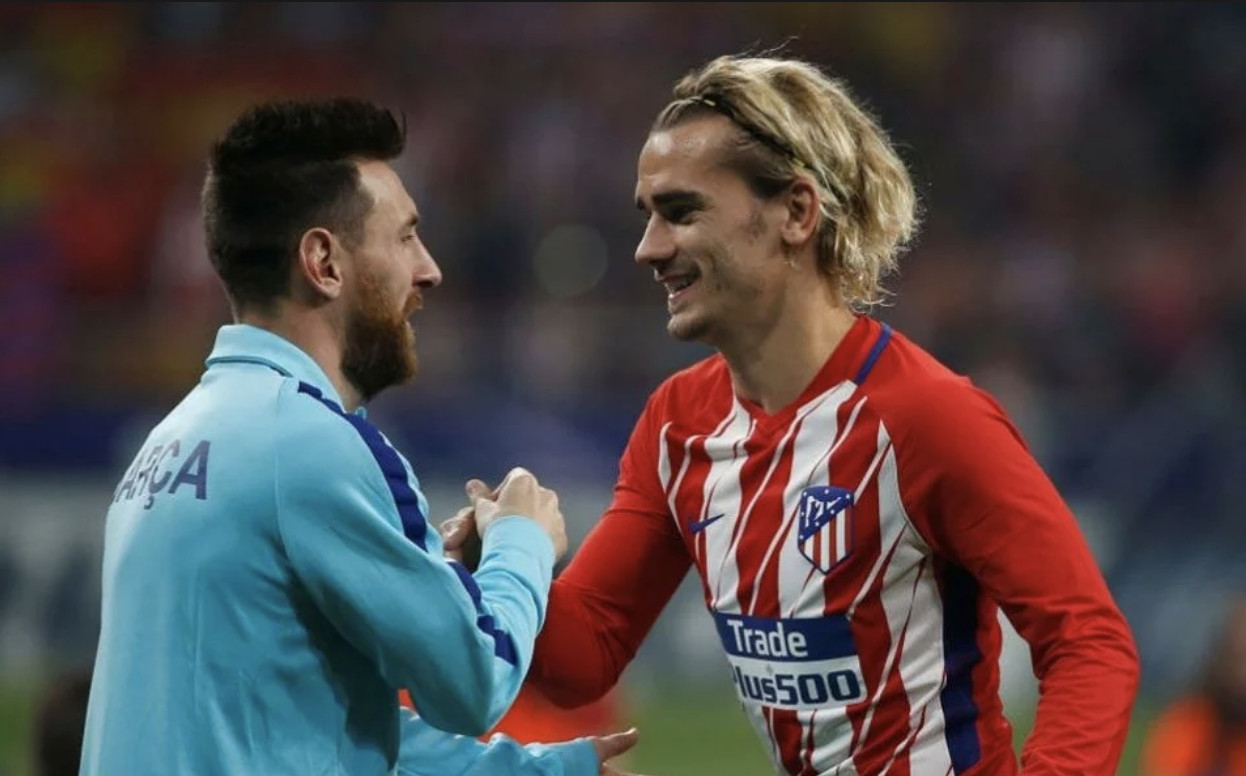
(884, 337)
(503, 644)
(414, 523)
(961, 654)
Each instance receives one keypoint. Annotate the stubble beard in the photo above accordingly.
(717, 282)
(687, 326)
(718, 286)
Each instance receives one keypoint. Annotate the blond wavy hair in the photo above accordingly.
(794, 121)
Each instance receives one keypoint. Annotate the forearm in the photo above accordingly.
(509, 594)
(1087, 686)
(577, 660)
(604, 604)
(459, 648)
(512, 582)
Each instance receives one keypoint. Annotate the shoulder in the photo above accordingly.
(338, 462)
(919, 398)
(305, 415)
(319, 445)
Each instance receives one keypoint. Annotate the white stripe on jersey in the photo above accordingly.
(722, 491)
(833, 751)
(816, 422)
(810, 452)
(909, 586)
(664, 460)
(664, 463)
(721, 495)
(801, 592)
(727, 590)
(726, 593)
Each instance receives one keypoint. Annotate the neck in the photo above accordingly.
(315, 336)
(776, 365)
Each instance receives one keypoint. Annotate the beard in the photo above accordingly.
(379, 351)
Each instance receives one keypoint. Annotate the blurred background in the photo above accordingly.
(1082, 168)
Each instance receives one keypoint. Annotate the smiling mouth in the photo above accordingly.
(676, 285)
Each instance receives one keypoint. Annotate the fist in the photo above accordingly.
(520, 494)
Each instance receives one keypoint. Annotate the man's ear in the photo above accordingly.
(320, 263)
(802, 213)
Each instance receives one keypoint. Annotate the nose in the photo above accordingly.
(656, 244)
(427, 273)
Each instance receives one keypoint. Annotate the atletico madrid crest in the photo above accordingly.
(824, 525)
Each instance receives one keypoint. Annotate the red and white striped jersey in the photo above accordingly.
(852, 550)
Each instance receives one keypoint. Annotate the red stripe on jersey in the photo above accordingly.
(759, 478)
(738, 449)
(873, 753)
(874, 662)
(789, 737)
(847, 467)
(848, 461)
(810, 744)
(758, 592)
(854, 464)
(685, 493)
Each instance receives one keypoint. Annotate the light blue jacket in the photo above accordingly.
(271, 580)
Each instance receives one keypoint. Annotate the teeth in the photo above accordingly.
(675, 285)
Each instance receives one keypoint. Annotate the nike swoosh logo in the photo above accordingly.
(697, 526)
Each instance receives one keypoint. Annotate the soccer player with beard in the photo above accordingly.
(269, 578)
(856, 512)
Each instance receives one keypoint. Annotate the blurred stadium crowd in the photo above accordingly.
(1083, 171)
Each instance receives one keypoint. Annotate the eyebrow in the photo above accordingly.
(692, 199)
(412, 221)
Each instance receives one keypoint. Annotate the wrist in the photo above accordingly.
(518, 530)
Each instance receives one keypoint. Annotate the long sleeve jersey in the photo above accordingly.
(270, 581)
(853, 549)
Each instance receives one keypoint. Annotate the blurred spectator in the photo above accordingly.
(1203, 733)
(59, 725)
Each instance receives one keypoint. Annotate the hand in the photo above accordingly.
(520, 494)
(611, 746)
(459, 537)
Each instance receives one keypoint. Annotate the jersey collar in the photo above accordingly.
(243, 343)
